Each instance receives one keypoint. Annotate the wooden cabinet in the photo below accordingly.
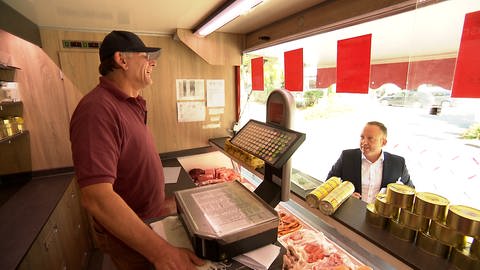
(64, 242)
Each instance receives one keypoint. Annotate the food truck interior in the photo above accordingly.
(410, 64)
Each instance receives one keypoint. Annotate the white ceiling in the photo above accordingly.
(148, 16)
(435, 29)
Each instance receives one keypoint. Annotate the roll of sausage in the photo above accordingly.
(334, 199)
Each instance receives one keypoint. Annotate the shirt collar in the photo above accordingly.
(114, 90)
(381, 158)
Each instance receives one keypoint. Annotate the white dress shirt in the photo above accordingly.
(371, 178)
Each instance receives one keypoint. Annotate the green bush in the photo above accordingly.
(312, 97)
(472, 132)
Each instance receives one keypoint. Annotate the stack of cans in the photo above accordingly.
(428, 220)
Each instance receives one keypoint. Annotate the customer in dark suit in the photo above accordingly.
(370, 168)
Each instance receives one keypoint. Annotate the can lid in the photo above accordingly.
(371, 208)
(465, 212)
(400, 188)
(382, 197)
(432, 198)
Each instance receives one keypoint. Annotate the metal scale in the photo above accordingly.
(226, 219)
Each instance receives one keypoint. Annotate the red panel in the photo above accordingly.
(466, 83)
(257, 74)
(237, 93)
(353, 64)
(389, 73)
(437, 72)
(326, 77)
(294, 70)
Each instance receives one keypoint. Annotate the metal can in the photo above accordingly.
(401, 232)
(374, 218)
(429, 244)
(431, 205)
(315, 196)
(400, 195)
(463, 259)
(475, 247)
(413, 221)
(464, 219)
(384, 208)
(446, 235)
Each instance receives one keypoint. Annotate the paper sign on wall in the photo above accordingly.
(191, 111)
(215, 93)
(190, 89)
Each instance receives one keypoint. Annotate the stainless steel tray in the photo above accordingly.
(225, 212)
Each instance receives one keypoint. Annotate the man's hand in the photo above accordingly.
(357, 195)
(173, 258)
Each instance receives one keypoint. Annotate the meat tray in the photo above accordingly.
(225, 220)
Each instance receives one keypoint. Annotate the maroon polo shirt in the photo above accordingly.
(111, 143)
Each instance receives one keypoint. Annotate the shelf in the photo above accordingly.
(7, 67)
(11, 109)
(7, 73)
(14, 136)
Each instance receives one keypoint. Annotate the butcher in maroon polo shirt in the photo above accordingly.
(116, 162)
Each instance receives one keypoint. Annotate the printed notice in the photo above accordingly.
(215, 93)
(190, 89)
(191, 111)
(227, 211)
(213, 111)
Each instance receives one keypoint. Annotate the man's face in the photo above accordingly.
(140, 67)
(372, 140)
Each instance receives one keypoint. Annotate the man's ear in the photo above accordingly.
(384, 141)
(120, 60)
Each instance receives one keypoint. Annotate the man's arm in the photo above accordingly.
(406, 176)
(111, 211)
(336, 169)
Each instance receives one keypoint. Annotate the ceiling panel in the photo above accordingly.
(148, 16)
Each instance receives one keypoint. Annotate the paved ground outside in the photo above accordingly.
(438, 160)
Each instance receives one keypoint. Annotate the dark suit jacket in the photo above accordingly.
(349, 168)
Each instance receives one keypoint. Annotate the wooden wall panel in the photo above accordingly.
(176, 61)
(84, 79)
(44, 109)
(216, 48)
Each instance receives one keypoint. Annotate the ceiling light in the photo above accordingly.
(225, 15)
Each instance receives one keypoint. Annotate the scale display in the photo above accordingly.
(270, 143)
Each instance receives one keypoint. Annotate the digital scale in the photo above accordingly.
(226, 219)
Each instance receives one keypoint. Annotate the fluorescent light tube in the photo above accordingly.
(231, 12)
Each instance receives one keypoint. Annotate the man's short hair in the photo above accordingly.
(107, 66)
(382, 127)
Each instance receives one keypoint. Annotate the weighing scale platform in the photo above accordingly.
(225, 220)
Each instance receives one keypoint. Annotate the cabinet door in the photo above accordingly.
(46, 251)
(73, 235)
(64, 242)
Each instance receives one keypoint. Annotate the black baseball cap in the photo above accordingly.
(123, 41)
